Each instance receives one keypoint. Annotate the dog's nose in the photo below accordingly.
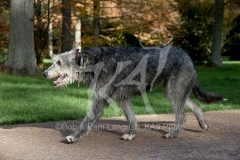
(45, 74)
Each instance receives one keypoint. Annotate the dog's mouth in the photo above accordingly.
(59, 80)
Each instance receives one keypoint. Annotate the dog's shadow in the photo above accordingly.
(143, 126)
(116, 127)
(120, 127)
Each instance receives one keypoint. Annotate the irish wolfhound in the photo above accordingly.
(117, 73)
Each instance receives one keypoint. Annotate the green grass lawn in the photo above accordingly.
(34, 99)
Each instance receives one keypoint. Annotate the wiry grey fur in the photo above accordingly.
(107, 69)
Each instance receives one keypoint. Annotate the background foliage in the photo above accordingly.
(193, 29)
(187, 23)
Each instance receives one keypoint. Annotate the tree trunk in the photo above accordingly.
(21, 58)
(50, 35)
(66, 37)
(77, 43)
(96, 23)
(215, 59)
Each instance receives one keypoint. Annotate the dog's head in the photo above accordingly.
(66, 68)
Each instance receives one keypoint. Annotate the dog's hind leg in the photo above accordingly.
(178, 87)
(87, 123)
(196, 109)
(128, 110)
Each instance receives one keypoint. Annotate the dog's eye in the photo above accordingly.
(58, 63)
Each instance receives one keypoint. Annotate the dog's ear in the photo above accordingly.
(74, 53)
(78, 57)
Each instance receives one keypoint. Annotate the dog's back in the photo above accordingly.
(155, 63)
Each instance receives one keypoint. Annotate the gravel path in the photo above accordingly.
(46, 140)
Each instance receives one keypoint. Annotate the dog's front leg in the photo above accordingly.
(87, 123)
(128, 110)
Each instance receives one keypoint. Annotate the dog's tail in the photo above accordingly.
(207, 97)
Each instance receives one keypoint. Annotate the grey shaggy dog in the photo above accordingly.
(117, 73)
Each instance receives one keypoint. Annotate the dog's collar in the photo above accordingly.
(80, 71)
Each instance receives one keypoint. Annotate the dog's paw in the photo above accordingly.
(205, 127)
(170, 136)
(71, 139)
(128, 137)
